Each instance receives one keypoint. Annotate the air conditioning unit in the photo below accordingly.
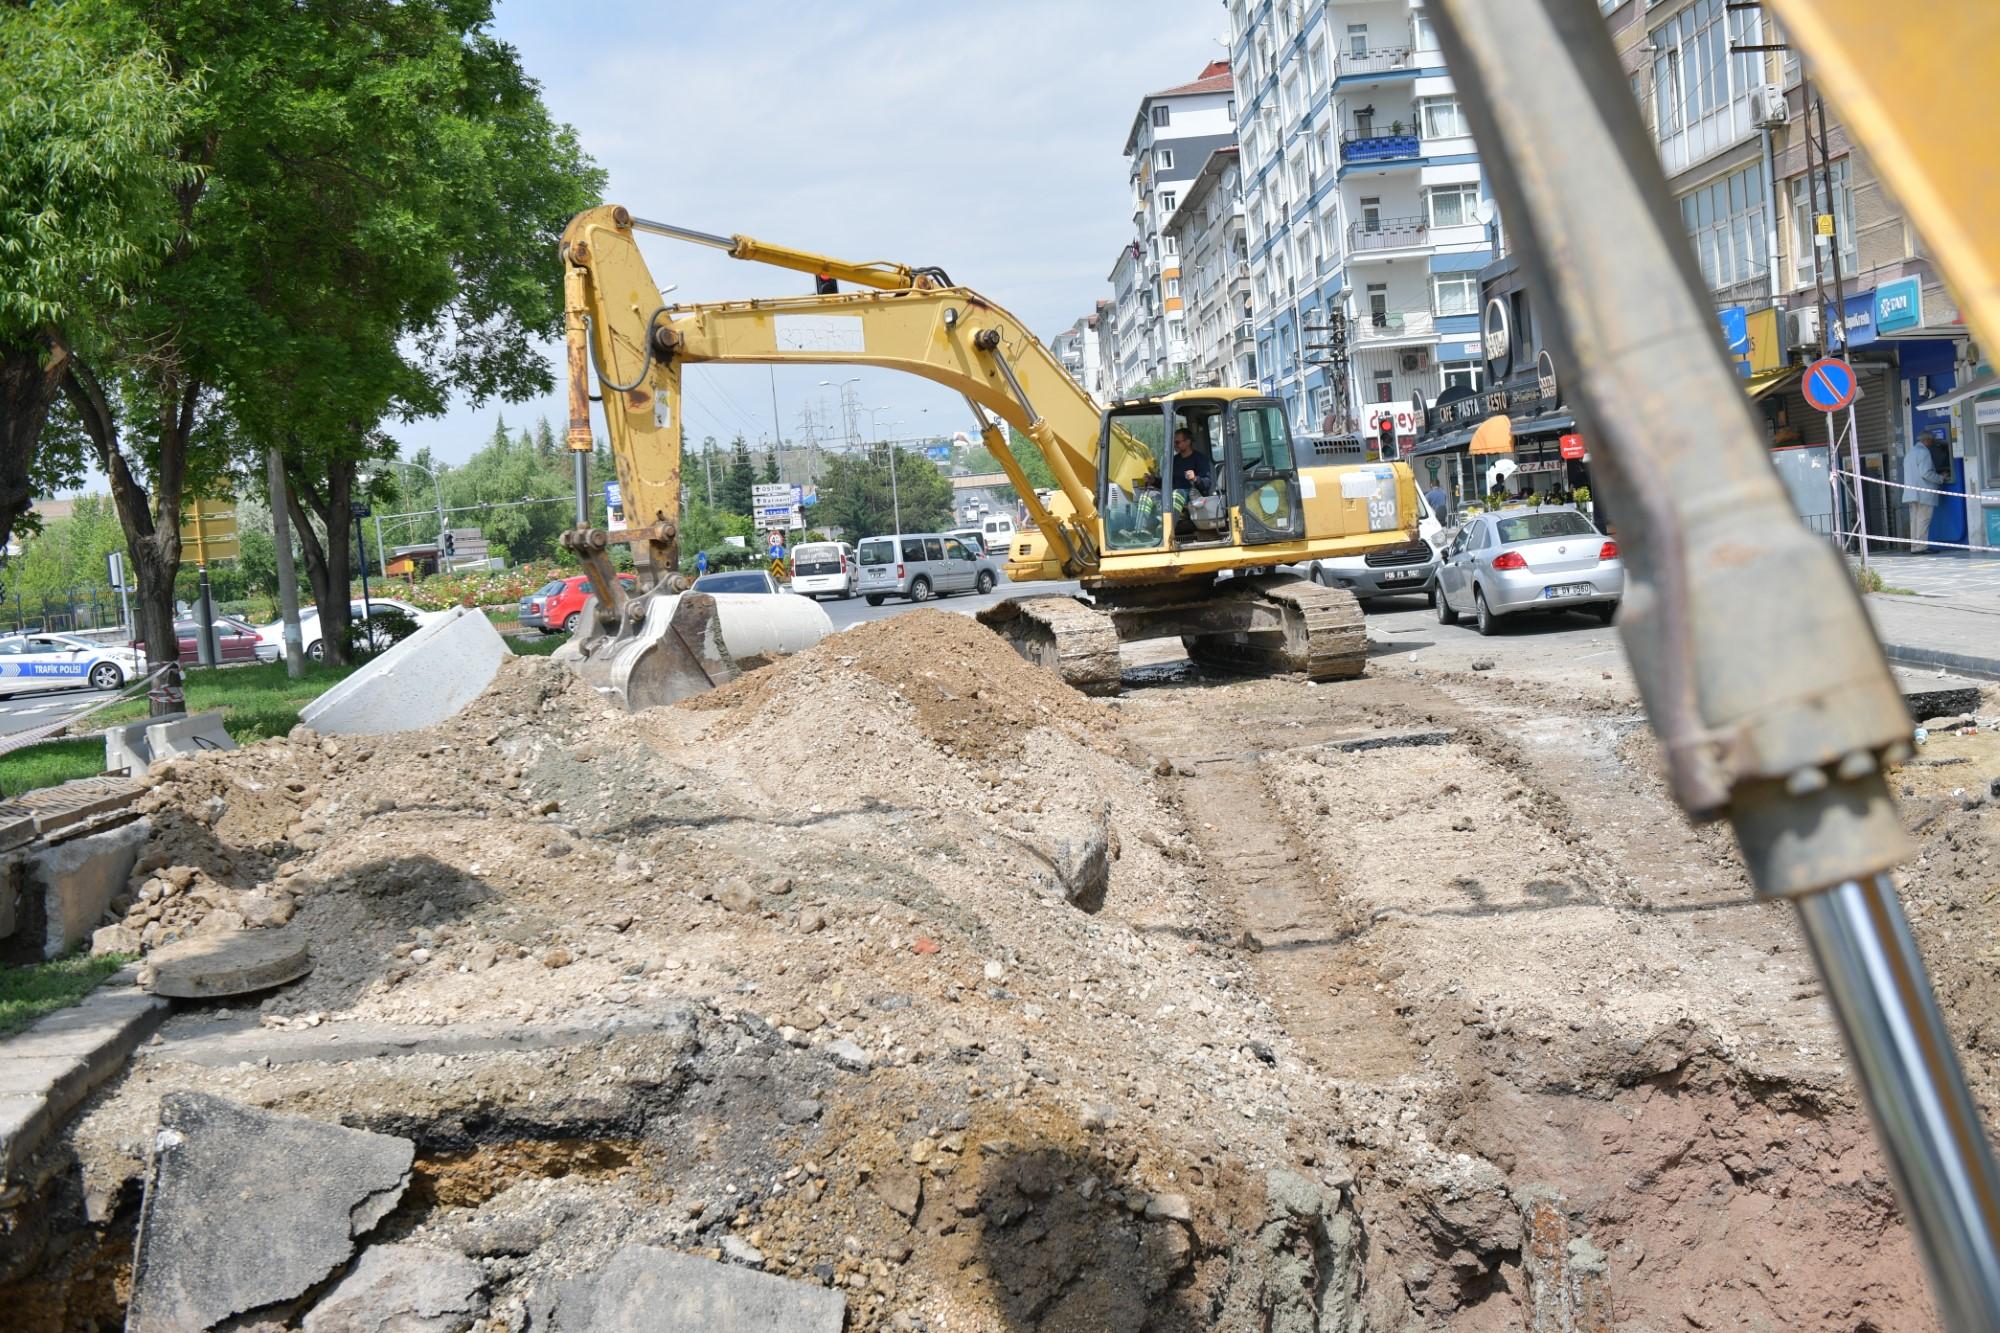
(1768, 109)
(1420, 359)
(1802, 326)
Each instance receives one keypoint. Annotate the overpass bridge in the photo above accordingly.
(979, 481)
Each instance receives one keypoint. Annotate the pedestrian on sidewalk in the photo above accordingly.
(1920, 478)
(1434, 497)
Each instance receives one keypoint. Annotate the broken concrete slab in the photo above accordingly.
(246, 1208)
(68, 886)
(420, 682)
(190, 734)
(234, 962)
(649, 1290)
(403, 1289)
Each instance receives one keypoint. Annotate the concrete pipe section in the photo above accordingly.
(685, 643)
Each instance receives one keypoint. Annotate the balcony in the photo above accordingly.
(1357, 149)
(1393, 326)
(1374, 60)
(1389, 234)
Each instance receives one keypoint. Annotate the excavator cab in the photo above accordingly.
(1245, 488)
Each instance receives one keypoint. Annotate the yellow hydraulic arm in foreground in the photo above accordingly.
(912, 320)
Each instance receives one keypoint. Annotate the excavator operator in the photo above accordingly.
(1193, 472)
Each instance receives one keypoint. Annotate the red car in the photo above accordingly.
(234, 641)
(558, 604)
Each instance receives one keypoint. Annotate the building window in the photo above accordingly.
(1443, 119)
(1174, 330)
(1455, 293)
(1294, 105)
(1385, 386)
(1426, 38)
(1172, 247)
(1357, 39)
(1805, 237)
(1314, 61)
(1461, 375)
(1173, 286)
(1168, 199)
(1165, 158)
(1726, 222)
(1700, 85)
(1989, 454)
(1161, 115)
(1454, 206)
(1230, 110)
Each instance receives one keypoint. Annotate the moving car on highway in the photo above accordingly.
(1521, 560)
(821, 569)
(922, 566)
(64, 662)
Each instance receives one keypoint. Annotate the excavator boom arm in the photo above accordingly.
(949, 335)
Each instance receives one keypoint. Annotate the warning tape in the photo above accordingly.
(1888, 539)
(1898, 485)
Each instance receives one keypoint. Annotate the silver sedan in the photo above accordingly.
(1520, 560)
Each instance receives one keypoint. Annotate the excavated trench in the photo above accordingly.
(1581, 1081)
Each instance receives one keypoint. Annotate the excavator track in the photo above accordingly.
(1063, 634)
(1322, 635)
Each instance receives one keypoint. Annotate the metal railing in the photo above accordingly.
(1374, 60)
(1358, 147)
(1388, 233)
(1392, 326)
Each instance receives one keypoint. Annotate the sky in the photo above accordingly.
(985, 138)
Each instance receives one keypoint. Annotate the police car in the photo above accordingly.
(63, 661)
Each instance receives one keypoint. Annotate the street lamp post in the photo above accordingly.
(848, 406)
(437, 494)
(895, 494)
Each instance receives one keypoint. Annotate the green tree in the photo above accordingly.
(979, 459)
(769, 476)
(89, 117)
(858, 495)
(545, 441)
(66, 559)
(732, 490)
(703, 528)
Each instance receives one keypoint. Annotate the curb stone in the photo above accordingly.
(48, 1069)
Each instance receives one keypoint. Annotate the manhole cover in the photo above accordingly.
(235, 962)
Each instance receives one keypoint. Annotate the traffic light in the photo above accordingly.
(1385, 437)
(450, 545)
(825, 285)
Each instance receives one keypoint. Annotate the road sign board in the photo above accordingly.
(114, 565)
(208, 530)
(1829, 384)
(779, 572)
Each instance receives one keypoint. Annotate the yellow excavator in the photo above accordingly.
(1172, 511)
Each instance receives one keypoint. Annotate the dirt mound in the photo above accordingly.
(972, 694)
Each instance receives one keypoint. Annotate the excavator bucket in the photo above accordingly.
(674, 645)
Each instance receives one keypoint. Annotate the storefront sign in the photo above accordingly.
(1545, 379)
(1542, 465)
(1899, 305)
(1736, 332)
(1499, 340)
(1572, 446)
(1987, 413)
(1767, 349)
(1420, 413)
(1859, 324)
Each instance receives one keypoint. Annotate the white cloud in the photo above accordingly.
(984, 138)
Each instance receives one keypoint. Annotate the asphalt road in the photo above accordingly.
(856, 609)
(18, 712)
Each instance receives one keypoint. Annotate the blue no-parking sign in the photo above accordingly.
(1829, 384)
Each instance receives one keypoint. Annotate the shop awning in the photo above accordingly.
(1495, 435)
(1759, 385)
(1443, 444)
(1984, 382)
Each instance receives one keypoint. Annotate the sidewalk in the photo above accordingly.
(1950, 617)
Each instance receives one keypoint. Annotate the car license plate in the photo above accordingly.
(1402, 575)
(1569, 590)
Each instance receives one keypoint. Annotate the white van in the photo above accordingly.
(998, 532)
(824, 569)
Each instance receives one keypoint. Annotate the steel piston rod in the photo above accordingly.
(1908, 1069)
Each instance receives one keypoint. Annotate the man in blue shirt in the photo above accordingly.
(1193, 473)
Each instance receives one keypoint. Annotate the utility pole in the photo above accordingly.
(288, 577)
(777, 426)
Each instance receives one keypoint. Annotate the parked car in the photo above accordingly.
(820, 569)
(922, 566)
(739, 580)
(271, 637)
(557, 606)
(1406, 569)
(1514, 561)
(64, 662)
(235, 641)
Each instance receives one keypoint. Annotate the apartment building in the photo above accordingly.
(1206, 231)
(1079, 349)
(1366, 213)
(1731, 123)
(1172, 135)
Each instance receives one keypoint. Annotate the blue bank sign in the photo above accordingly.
(1894, 307)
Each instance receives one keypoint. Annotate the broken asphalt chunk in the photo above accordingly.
(246, 1208)
(649, 1290)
